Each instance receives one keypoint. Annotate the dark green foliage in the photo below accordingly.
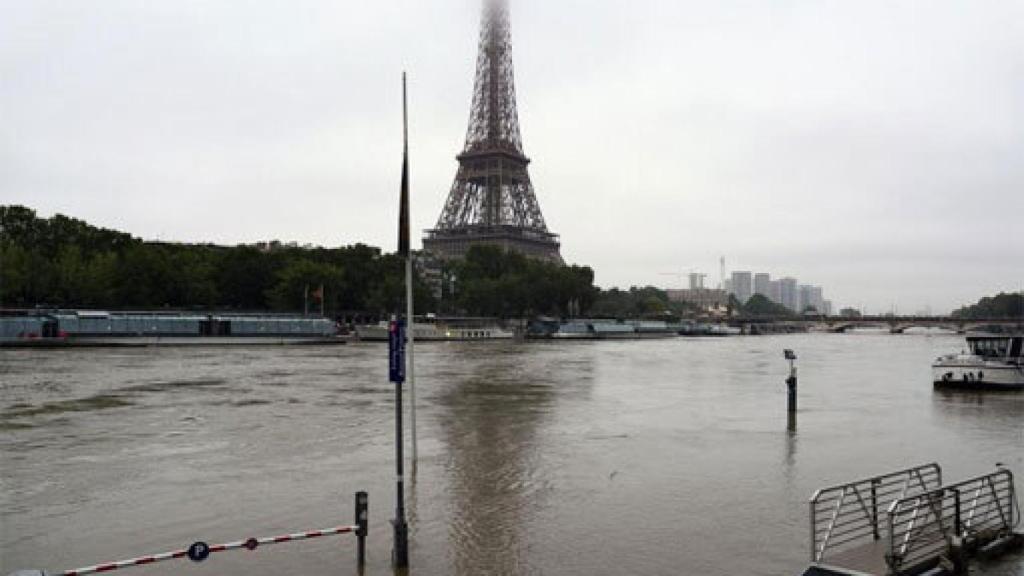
(61, 261)
(647, 302)
(493, 282)
(759, 305)
(1000, 306)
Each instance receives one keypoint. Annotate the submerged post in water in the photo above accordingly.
(791, 381)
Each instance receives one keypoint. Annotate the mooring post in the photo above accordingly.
(791, 381)
(362, 525)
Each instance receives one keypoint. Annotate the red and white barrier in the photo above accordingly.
(200, 551)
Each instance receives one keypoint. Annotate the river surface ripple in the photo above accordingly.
(656, 457)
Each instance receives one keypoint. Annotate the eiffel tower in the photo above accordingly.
(492, 200)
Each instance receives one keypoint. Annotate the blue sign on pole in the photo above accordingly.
(396, 351)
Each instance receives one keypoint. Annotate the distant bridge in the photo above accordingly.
(895, 324)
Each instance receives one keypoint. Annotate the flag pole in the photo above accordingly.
(400, 551)
(409, 299)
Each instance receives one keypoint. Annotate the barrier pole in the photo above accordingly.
(362, 525)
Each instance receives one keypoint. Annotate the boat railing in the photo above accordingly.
(969, 514)
(852, 514)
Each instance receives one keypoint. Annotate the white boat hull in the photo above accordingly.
(971, 372)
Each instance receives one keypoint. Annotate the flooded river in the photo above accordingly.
(647, 458)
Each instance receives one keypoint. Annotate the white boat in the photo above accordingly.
(724, 330)
(574, 330)
(432, 329)
(602, 330)
(612, 330)
(992, 363)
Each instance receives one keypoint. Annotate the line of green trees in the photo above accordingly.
(62, 261)
(65, 262)
(638, 302)
(1003, 305)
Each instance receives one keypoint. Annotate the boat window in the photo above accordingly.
(1015, 350)
(991, 348)
(50, 329)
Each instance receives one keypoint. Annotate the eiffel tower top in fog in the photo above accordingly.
(492, 199)
(494, 118)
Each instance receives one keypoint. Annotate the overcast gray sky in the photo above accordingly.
(875, 147)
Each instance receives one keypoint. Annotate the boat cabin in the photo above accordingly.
(996, 346)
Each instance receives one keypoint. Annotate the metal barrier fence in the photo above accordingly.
(967, 515)
(851, 514)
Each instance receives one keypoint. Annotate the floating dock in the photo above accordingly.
(909, 522)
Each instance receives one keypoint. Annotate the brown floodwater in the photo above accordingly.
(586, 458)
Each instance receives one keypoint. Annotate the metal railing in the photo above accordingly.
(852, 514)
(969, 514)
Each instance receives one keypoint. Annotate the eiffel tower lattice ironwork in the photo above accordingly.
(492, 200)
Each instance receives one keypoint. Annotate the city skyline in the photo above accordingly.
(856, 155)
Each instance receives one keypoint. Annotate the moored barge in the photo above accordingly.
(80, 328)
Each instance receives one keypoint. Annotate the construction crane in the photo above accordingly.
(680, 275)
(677, 275)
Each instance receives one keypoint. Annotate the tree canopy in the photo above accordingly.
(760, 305)
(1002, 305)
(637, 302)
(61, 261)
(490, 281)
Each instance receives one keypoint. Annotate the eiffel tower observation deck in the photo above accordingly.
(492, 201)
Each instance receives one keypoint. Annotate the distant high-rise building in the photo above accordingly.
(697, 281)
(763, 284)
(775, 291)
(810, 297)
(788, 295)
(742, 284)
(803, 297)
(817, 299)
